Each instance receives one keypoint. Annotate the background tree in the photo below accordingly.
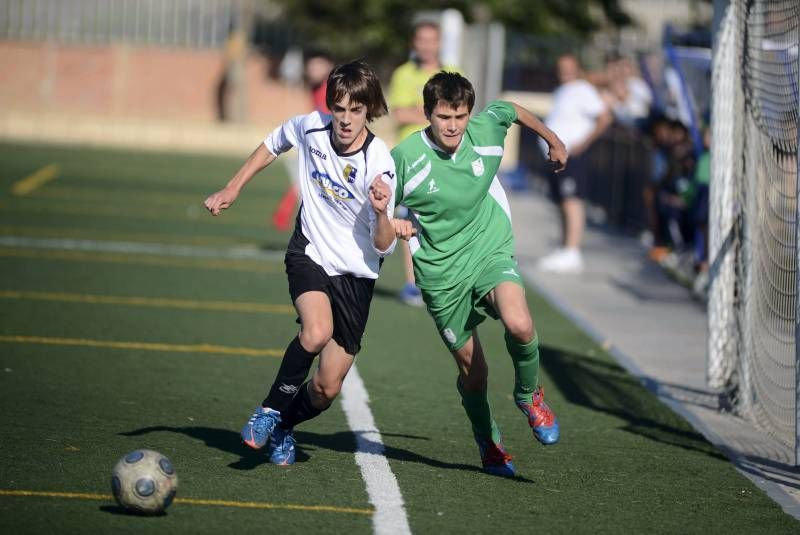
(378, 29)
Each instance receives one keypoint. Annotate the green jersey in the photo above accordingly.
(458, 206)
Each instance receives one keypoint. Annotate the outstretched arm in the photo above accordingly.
(224, 198)
(557, 152)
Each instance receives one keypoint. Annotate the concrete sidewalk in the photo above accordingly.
(655, 329)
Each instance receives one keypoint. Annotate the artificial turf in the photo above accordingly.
(625, 462)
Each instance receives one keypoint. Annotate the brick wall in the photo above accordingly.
(135, 83)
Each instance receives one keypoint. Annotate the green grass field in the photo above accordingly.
(104, 350)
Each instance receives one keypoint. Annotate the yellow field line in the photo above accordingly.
(189, 304)
(145, 346)
(35, 180)
(193, 501)
(259, 266)
(265, 505)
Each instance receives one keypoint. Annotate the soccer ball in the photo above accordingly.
(144, 481)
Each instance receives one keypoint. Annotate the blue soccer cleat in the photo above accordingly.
(541, 418)
(411, 295)
(281, 447)
(496, 460)
(259, 427)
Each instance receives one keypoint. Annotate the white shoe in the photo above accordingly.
(567, 260)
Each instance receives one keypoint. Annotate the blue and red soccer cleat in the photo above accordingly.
(281, 446)
(541, 418)
(495, 458)
(259, 427)
(411, 295)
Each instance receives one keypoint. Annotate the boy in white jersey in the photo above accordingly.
(463, 253)
(342, 231)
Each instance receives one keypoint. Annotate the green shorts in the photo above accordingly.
(458, 310)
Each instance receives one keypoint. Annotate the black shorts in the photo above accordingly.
(571, 182)
(350, 296)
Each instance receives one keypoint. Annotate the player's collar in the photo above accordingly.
(432, 144)
(363, 147)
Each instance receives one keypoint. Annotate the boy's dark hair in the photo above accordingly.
(449, 87)
(358, 80)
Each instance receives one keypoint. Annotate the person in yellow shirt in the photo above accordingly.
(405, 103)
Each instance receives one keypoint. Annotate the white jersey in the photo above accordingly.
(573, 116)
(336, 218)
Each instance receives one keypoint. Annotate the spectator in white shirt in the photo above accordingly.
(578, 116)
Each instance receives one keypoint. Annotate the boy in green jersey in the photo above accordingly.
(463, 249)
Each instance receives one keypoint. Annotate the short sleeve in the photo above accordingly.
(501, 112)
(286, 136)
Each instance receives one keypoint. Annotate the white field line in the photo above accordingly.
(382, 488)
(384, 493)
(193, 251)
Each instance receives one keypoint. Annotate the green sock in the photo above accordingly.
(479, 413)
(526, 367)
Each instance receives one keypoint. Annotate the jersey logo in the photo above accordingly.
(331, 190)
(432, 187)
(287, 389)
(349, 173)
(449, 335)
(316, 152)
(510, 271)
(477, 167)
(416, 163)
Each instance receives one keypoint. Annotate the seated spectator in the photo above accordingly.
(661, 139)
(668, 197)
(674, 189)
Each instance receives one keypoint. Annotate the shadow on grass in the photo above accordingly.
(606, 387)
(775, 471)
(220, 439)
(118, 510)
(342, 441)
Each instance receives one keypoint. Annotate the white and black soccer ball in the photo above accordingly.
(144, 481)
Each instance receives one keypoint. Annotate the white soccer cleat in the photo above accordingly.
(566, 260)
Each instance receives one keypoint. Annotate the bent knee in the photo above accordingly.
(315, 337)
(326, 391)
(520, 329)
